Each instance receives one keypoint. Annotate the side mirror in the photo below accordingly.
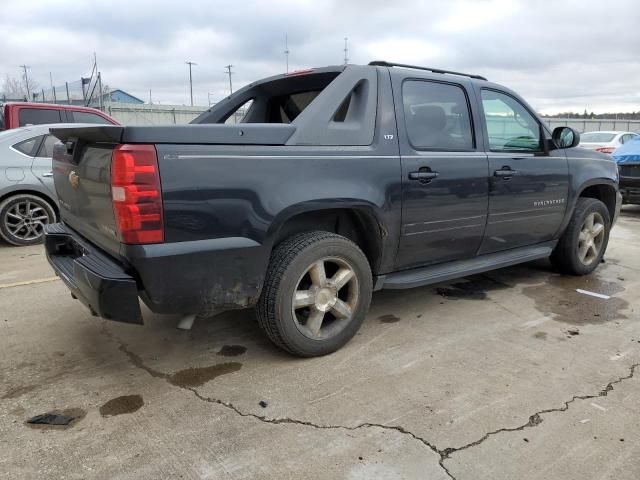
(565, 137)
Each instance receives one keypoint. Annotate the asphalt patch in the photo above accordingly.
(195, 377)
(232, 350)
(558, 296)
(122, 405)
(57, 419)
(388, 318)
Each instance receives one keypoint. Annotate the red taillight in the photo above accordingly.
(606, 150)
(136, 194)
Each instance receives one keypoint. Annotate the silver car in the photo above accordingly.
(27, 194)
(605, 142)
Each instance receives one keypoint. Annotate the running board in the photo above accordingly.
(418, 277)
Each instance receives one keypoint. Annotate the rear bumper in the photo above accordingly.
(93, 278)
(174, 278)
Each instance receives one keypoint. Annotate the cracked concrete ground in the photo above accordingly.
(507, 375)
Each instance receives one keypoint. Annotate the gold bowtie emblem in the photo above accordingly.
(74, 179)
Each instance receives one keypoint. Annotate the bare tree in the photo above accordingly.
(12, 88)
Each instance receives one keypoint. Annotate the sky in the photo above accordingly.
(563, 55)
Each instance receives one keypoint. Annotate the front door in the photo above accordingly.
(444, 173)
(528, 186)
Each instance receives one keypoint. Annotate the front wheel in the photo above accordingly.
(585, 240)
(316, 293)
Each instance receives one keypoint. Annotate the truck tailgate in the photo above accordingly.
(82, 177)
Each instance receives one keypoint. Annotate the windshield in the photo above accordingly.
(597, 137)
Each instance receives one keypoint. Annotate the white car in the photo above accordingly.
(605, 142)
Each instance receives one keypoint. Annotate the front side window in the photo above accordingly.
(38, 116)
(510, 126)
(437, 116)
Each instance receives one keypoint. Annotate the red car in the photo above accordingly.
(20, 114)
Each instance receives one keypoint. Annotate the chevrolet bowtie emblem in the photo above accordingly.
(74, 179)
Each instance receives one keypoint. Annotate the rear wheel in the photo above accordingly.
(23, 217)
(316, 294)
(585, 240)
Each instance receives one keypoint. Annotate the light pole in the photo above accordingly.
(229, 72)
(191, 80)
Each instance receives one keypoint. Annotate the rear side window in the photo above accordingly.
(28, 146)
(286, 108)
(437, 116)
(38, 116)
(86, 117)
(46, 149)
(510, 126)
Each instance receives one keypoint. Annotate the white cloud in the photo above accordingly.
(565, 54)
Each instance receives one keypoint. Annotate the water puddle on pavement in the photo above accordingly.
(195, 377)
(122, 405)
(388, 318)
(558, 296)
(232, 350)
(473, 288)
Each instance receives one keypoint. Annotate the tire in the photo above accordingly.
(30, 210)
(328, 314)
(568, 255)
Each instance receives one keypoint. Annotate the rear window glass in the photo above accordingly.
(437, 116)
(286, 108)
(27, 146)
(46, 149)
(38, 116)
(87, 117)
(597, 137)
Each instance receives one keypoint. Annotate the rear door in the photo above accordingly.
(444, 172)
(528, 186)
(41, 167)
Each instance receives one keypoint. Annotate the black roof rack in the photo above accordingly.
(382, 63)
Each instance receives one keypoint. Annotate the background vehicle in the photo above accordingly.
(27, 194)
(628, 159)
(337, 182)
(605, 142)
(20, 114)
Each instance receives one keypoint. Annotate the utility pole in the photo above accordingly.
(286, 51)
(55, 100)
(26, 80)
(346, 50)
(191, 80)
(150, 99)
(229, 72)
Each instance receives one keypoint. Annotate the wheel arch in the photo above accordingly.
(358, 222)
(603, 190)
(31, 191)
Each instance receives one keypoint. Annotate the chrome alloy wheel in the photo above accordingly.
(325, 298)
(25, 220)
(591, 238)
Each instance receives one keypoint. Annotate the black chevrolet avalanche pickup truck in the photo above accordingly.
(300, 194)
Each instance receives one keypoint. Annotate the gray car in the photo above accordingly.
(27, 195)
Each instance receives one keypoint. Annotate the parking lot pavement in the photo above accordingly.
(512, 374)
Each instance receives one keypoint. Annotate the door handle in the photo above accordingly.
(424, 176)
(505, 172)
(48, 174)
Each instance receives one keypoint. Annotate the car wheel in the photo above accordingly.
(585, 240)
(23, 217)
(316, 293)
